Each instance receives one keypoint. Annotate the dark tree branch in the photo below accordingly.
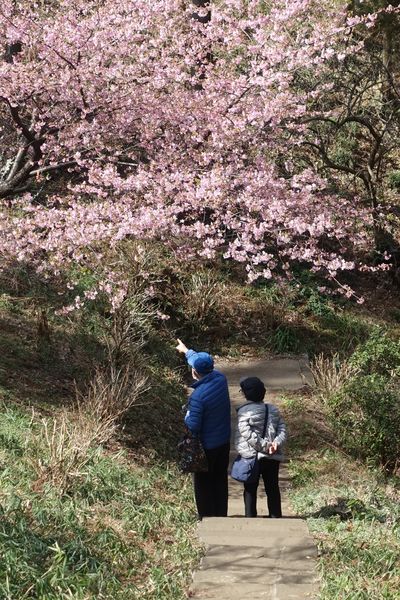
(202, 18)
(338, 124)
(21, 154)
(362, 121)
(8, 187)
(26, 132)
(62, 165)
(328, 162)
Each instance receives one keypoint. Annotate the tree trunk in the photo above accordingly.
(203, 16)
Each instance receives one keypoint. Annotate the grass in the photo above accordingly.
(353, 512)
(122, 524)
(124, 530)
(289, 318)
(123, 527)
(357, 529)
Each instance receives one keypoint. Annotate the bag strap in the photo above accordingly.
(265, 421)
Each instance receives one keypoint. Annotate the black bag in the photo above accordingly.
(192, 458)
(247, 470)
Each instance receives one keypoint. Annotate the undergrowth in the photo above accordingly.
(116, 520)
(92, 505)
(124, 530)
(352, 511)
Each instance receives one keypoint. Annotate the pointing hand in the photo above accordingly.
(181, 347)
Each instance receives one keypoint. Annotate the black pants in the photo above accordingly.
(269, 471)
(211, 488)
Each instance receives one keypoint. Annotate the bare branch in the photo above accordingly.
(328, 162)
(8, 187)
(362, 121)
(62, 165)
(17, 162)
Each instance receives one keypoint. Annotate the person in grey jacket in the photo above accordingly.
(249, 442)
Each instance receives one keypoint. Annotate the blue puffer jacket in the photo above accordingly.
(209, 410)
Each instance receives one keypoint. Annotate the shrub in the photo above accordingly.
(366, 417)
(394, 180)
(364, 400)
(380, 354)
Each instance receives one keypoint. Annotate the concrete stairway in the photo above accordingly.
(258, 558)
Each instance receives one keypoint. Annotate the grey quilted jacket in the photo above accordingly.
(248, 440)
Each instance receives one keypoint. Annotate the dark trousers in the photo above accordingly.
(211, 488)
(269, 471)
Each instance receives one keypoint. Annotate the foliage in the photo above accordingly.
(354, 141)
(284, 339)
(304, 320)
(394, 180)
(79, 517)
(379, 355)
(352, 512)
(366, 416)
(124, 530)
(202, 152)
(362, 398)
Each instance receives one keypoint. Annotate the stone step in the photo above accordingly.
(261, 558)
(291, 534)
(255, 591)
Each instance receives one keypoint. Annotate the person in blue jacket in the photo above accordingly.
(209, 416)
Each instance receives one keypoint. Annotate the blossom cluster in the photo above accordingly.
(167, 128)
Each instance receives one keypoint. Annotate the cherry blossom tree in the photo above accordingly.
(175, 121)
(353, 128)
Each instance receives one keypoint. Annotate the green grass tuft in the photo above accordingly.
(123, 531)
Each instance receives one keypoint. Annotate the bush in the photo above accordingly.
(366, 417)
(365, 411)
(380, 354)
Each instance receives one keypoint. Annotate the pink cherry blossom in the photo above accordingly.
(161, 127)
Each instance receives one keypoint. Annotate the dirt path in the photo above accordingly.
(258, 558)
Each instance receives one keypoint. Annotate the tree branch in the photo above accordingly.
(328, 162)
(62, 165)
(357, 119)
(17, 162)
(26, 132)
(8, 187)
(338, 124)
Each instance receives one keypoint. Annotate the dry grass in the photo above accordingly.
(110, 395)
(201, 294)
(330, 374)
(70, 437)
